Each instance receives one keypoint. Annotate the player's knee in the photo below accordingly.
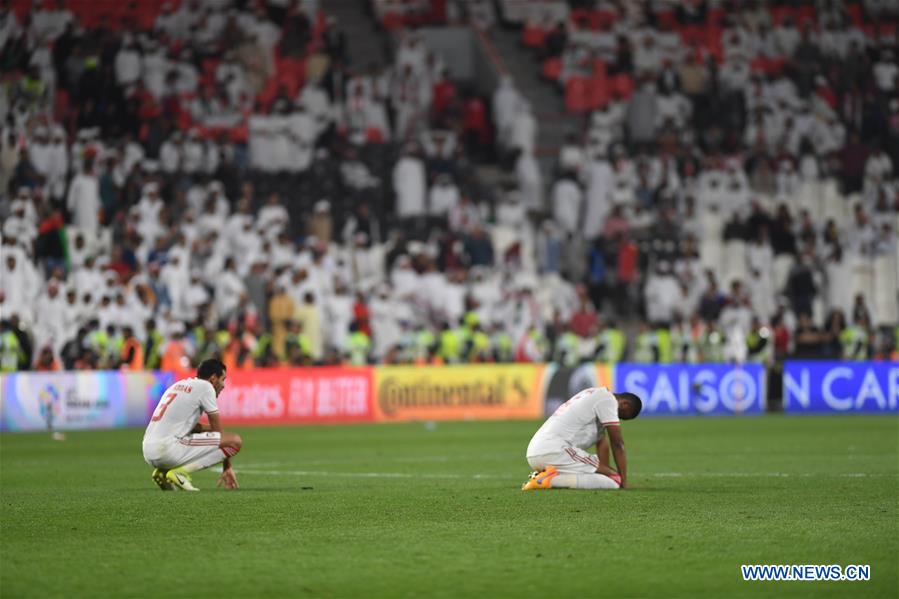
(233, 441)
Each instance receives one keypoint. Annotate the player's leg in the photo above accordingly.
(572, 468)
(200, 451)
(153, 458)
(591, 482)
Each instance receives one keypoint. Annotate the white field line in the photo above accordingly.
(450, 476)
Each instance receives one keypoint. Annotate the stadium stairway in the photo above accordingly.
(366, 42)
(548, 104)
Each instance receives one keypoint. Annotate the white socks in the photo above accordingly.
(583, 481)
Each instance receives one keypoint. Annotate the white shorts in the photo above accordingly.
(571, 460)
(178, 452)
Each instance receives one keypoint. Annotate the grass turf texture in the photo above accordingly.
(82, 518)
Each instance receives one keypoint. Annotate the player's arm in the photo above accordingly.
(228, 478)
(616, 441)
(201, 428)
(215, 423)
(602, 452)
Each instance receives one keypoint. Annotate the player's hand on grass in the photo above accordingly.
(228, 478)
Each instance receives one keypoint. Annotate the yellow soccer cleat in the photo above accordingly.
(160, 480)
(539, 481)
(180, 479)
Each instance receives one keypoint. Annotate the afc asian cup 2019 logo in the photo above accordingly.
(49, 397)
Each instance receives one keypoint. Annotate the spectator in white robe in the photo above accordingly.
(171, 153)
(176, 277)
(273, 218)
(566, 199)
(410, 185)
(465, 217)
(88, 278)
(128, 63)
(411, 97)
(760, 266)
(150, 204)
(523, 134)
(83, 201)
(505, 105)
(315, 99)
(78, 252)
(598, 180)
(302, 133)
(58, 164)
(530, 181)
(260, 132)
(443, 197)
(194, 152)
(50, 326)
(661, 294)
(412, 54)
(338, 316)
(156, 67)
(21, 284)
(229, 288)
(231, 76)
(385, 327)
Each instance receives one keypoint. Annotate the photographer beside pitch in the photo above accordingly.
(176, 444)
(557, 450)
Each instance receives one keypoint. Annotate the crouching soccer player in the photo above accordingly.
(556, 452)
(176, 444)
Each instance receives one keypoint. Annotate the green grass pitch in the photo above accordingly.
(435, 511)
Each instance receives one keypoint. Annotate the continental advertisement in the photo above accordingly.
(477, 392)
(321, 395)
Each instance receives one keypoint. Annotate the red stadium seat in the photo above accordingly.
(605, 18)
(577, 95)
(855, 14)
(392, 21)
(806, 15)
(667, 18)
(779, 13)
(552, 69)
(715, 17)
(886, 31)
(600, 93)
(623, 86)
(533, 36)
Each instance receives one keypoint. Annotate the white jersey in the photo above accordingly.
(579, 422)
(180, 408)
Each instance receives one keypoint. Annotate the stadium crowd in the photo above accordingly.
(209, 178)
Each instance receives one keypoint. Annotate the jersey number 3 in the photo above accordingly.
(163, 406)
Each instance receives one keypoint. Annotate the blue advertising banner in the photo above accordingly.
(694, 389)
(83, 400)
(827, 387)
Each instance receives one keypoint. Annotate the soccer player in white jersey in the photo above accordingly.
(176, 444)
(557, 451)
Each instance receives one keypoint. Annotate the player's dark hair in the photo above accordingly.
(209, 368)
(635, 402)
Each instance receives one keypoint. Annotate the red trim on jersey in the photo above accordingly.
(616, 423)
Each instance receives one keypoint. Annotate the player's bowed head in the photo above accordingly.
(629, 405)
(214, 371)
